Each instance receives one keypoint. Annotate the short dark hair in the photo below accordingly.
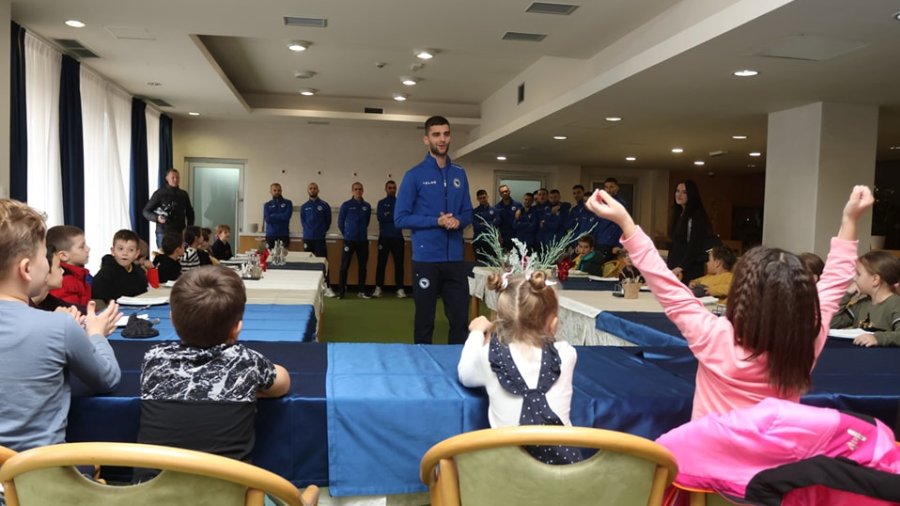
(389, 181)
(813, 263)
(480, 193)
(578, 187)
(171, 242)
(207, 302)
(191, 234)
(529, 194)
(63, 236)
(588, 239)
(724, 254)
(205, 233)
(611, 180)
(554, 191)
(435, 121)
(126, 236)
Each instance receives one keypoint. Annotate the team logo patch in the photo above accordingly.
(319, 208)
(491, 212)
(424, 283)
(346, 248)
(364, 208)
(456, 182)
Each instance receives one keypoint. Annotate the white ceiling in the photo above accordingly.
(228, 59)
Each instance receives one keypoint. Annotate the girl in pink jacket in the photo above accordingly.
(777, 318)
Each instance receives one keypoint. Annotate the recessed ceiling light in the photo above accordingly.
(425, 54)
(563, 137)
(501, 158)
(745, 73)
(897, 16)
(678, 150)
(613, 118)
(756, 153)
(308, 92)
(630, 158)
(739, 137)
(699, 163)
(193, 114)
(400, 97)
(298, 45)
(409, 81)
(74, 23)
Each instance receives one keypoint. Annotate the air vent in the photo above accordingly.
(307, 22)
(83, 53)
(318, 122)
(548, 8)
(373, 110)
(75, 48)
(158, 102)
(524, 37)
(67, 43)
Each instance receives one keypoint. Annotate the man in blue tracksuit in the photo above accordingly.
(353, 222)
(482, 216)
(434, 202)
(315, 216)
(506, 216)
(277, 217)
(390, 241)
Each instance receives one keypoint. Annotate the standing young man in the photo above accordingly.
(482, 216)
(434, 202)
(170, 207)
(390, 241)
(277, 217)
(353, 222)
(315, 217)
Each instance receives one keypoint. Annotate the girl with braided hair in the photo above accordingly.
(526, 371)
(777, 318)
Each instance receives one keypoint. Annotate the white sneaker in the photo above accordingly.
(329, 292)
(376, 292)
(401, 294)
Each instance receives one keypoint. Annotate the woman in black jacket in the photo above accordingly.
(691, 233)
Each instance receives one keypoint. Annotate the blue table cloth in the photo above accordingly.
(641, 328)
(262, 322)
(589, 284)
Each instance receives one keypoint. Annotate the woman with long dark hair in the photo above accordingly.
(690, 232)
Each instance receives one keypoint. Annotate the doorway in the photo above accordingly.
(216, 194)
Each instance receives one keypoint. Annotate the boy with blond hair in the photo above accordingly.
(74, 254)
(41, 349)
(118, 274)
(221, 248)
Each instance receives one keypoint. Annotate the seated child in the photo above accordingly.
(207, 378)
(622, 268)
(190, 258)
(813, 263)
(221, 249)
(718, 277)
(46, 302)
(875, 306)
(40, 349)
(119, 275)
(203, 250)
(587, 260)
(73, 254)
(167, 263)
(519, 352)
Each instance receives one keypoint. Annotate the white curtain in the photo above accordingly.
(42, 70)
(152, 116)
(106, 117)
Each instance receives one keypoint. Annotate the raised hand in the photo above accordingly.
(103, 323)
(605, 206)
(860, 200)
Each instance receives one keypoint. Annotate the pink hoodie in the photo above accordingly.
(726, 380)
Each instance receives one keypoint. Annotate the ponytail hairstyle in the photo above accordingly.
(883, 264)
(773, 306)
(526, 303)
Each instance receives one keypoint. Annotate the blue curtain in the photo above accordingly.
(71, 142)
(139, 185)
(18, 120)
(165, 147)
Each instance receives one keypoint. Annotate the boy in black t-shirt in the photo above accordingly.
(118, 274)
(167, 264)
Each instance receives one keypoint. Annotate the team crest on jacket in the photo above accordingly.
(319, 208)
(456, 182)
(424, 283)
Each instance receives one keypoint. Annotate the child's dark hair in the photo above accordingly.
(885, 265)
(62, 237)
(191, 234)
(724, 254)
(207, 302)
(171, 242)
(126, 235)
(205, 233)
(813, 262)
(22, 231)
(524, 307)
(588, 239)
(773, 306)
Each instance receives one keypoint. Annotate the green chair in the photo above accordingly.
(489, 467)
(45, 476)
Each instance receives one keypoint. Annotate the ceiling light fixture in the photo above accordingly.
(745, 73)
(613, 118)
(699, 163)
(400, 97)
(425, 54)
(193, 114)
(298, 45)
(563, 137)
(501, 158)
(739, 137)
(755, 154)
(897, 16)
(630, 158)
(74, 23)
(409, 81)
(308, 92)
(678, 150)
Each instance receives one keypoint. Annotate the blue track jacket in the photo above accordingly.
(482, 216)
(386, 227)
(426, 192)
(315, 216)
(353, 220)
(277, 215)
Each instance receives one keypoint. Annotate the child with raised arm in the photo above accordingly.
(40, 349)
(777, 318)
(200, 393)
(518, 354)
(875, 306)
